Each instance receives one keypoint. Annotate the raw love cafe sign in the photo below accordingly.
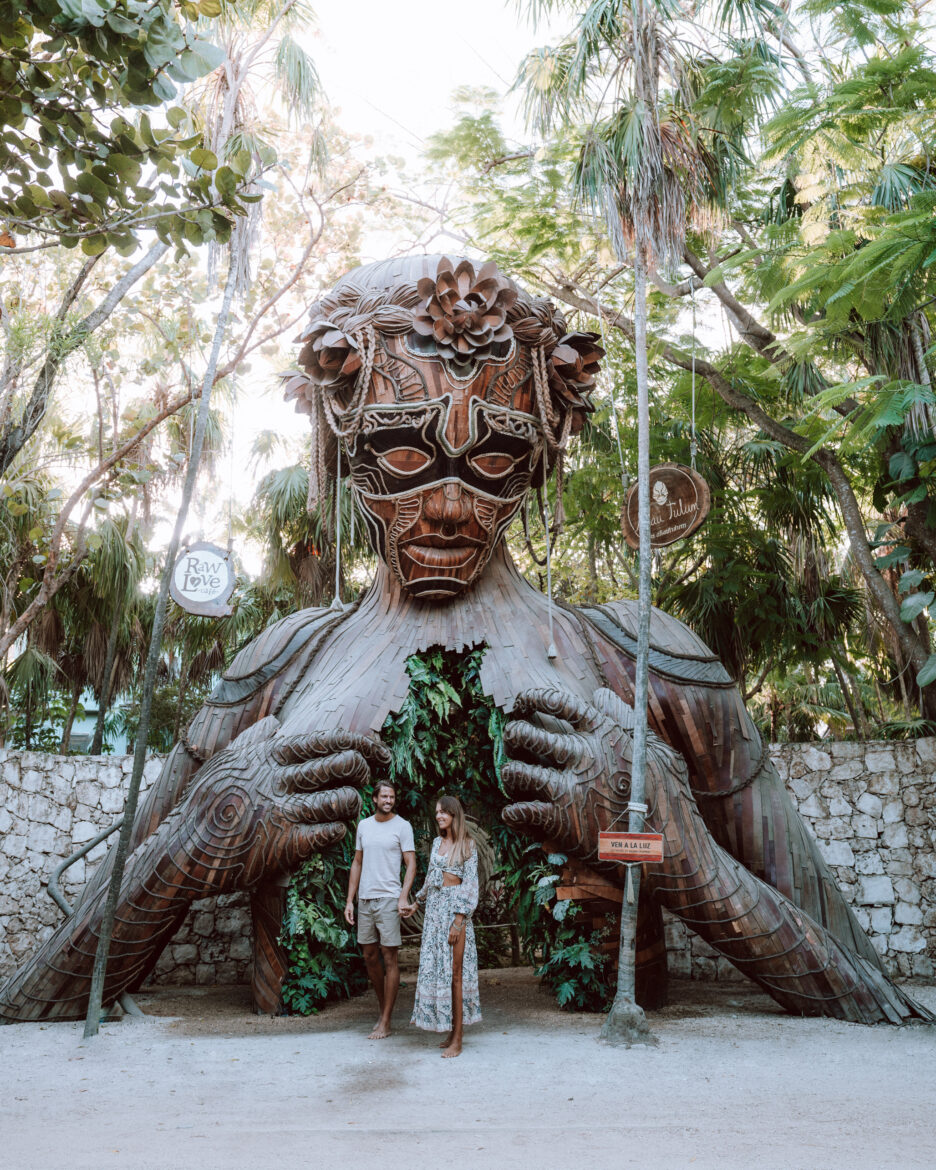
(203, 580)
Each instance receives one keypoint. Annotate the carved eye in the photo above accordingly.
(403, 460)
(493, 465)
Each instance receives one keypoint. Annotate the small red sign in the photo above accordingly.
(630, 846)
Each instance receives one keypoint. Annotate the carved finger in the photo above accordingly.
(535, 818)
(336, 804)
(561, 704)
(614, 707)
(533, 744)
(306, 840)
(526, 781)
(346, 767)
(294, 749)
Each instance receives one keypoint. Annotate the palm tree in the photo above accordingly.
(625, 75)
(639, 165)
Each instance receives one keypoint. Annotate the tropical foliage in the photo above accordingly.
(789, 323)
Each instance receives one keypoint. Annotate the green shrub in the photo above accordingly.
(325, 961)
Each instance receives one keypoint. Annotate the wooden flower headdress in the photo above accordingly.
(465, 313)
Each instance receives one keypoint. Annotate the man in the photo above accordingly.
(383, 841)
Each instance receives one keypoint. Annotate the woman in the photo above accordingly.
(447, 985)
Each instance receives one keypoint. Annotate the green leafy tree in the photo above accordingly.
(813, 250)
(83, 161)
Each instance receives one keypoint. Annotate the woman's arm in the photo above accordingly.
(466, 900)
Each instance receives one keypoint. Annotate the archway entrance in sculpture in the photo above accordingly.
(448, 737)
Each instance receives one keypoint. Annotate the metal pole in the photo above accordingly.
(96, 995)
(626, 1023)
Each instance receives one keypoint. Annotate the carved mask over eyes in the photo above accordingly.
(450, 387)
(439, 480)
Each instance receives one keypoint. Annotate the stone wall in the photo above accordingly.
(51, 805)
(871, 806)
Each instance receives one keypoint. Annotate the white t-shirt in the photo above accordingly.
(383, 844)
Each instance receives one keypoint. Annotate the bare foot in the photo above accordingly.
(381, 1031)
(454, 1049)
(447, 1041)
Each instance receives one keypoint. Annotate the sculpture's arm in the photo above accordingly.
(249, 690)
(258, 809)
(695, 707)
(571, 785)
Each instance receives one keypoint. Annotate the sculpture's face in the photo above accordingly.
(439, 478)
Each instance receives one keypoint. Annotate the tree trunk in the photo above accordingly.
(97, 743)
(14, 437)
(183, 683)
(95, 996)
(846, 695)
(626, 1021)
(72, 711)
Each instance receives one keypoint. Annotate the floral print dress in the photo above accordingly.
(433, 1007)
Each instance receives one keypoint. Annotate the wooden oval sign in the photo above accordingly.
(679, 503)
(203, 580)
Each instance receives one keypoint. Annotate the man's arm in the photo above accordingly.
(409, 857)
(354, 880)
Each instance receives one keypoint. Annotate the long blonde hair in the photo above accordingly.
(462, 843)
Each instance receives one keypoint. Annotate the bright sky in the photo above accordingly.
(391, 68)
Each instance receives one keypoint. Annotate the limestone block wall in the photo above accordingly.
(871, 806)
(49, 806)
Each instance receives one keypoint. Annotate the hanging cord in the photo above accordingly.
(230, 538)
(548, 416)
(551, 651)
(353, 509)
(336, 604)
(615, 410)
(541, 561)
(693, 442)
(346, 423)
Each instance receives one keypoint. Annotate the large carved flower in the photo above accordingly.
(573, 365)
(464, 313)
(330, 355)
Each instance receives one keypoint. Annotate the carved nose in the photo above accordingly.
(448, 505)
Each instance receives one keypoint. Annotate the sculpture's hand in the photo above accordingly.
(256, 810)
(568, 785)
(263, 807)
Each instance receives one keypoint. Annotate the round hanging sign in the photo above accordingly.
(679, 503)
(203, 580)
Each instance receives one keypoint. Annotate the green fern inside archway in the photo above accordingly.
(447, 737)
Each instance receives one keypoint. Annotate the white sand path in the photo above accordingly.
(733, 1083)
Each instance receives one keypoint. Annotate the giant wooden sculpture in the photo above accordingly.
(451, 392)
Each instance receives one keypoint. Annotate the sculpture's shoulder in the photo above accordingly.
(258, 678)
(676, 652)
(271, 651)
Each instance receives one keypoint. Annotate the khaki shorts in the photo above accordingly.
(379, 921)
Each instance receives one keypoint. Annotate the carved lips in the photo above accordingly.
(437, 540)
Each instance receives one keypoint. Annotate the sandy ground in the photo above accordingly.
(733, 1083)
